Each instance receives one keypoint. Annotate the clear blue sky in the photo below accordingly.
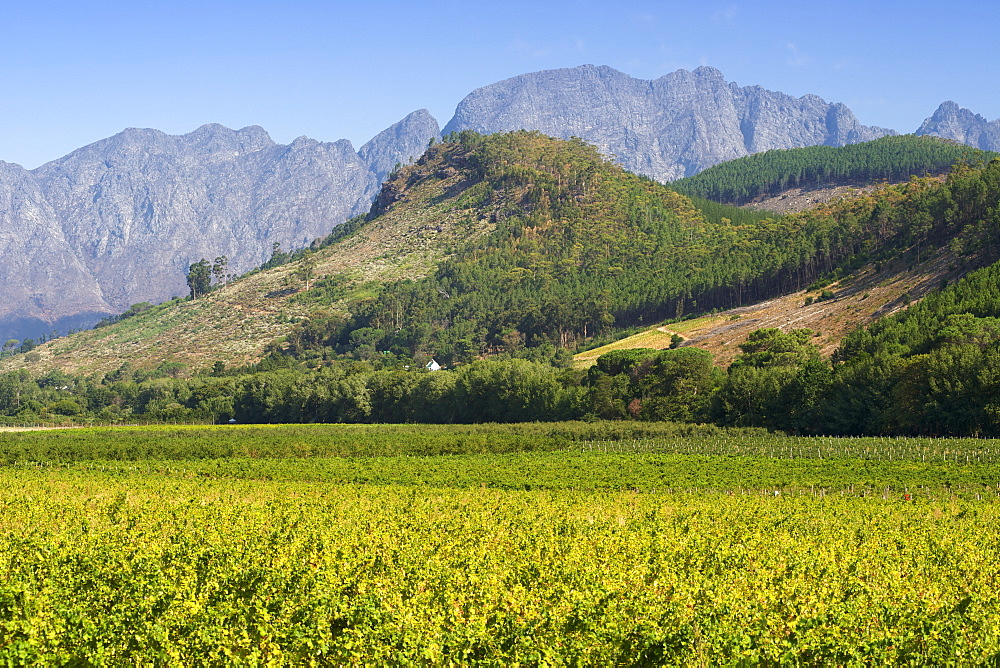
(74, 72)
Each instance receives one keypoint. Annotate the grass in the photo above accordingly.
(657, 338)
(652, 338)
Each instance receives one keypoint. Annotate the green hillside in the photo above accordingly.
(771, 172)
(582, 247)
(513, 243)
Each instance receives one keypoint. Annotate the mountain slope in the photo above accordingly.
(142, 206)
(668, 128)
(44, 282)
(236, 322)
(581, 247)
(132, 212)
(460, 198)
(862, 297)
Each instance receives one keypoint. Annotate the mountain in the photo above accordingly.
(119, 221)
(236, 322)
(401, 143)
(44, 282)
(668, 128)
(954, 122)
(519, 243)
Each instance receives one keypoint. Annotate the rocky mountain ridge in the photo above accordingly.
(668, 128)
(951, 121)
(119, 221)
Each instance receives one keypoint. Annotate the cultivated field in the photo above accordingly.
(584, 544)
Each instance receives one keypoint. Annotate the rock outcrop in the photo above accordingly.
(954, 122)
(401, 143)
(671, 127)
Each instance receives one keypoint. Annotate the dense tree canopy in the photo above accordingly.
(771, 172)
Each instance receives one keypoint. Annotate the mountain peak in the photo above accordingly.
(303, 141)
(709, 72)
(209, 128)
(951, 109)
(255, 138)
(955, 122)
(402, 142)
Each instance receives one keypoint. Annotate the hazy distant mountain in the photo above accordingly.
(44, 282)
(119, 221)
(668, 128)
(954, 122)
(401, 143)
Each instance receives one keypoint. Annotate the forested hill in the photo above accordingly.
(887, 159)
(932, 369)
(581, 246)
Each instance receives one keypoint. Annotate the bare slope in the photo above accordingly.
(236, 322)
(858, 299)
(796, 200)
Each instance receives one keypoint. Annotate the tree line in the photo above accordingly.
(771, 172)
(933, 369)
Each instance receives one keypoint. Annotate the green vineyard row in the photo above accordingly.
(204, 572)
(565, 544)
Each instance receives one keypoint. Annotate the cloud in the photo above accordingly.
(726, 15)
(796, 58)
(527, 50)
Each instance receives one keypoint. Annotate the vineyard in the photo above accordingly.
(571, 543)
